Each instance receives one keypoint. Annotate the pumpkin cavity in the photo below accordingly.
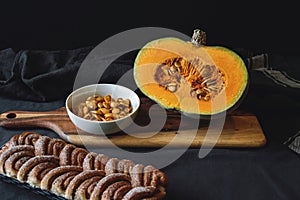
(206, 81)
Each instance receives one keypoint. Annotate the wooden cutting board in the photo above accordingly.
(240, 129)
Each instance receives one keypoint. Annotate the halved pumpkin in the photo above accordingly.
(189, 76)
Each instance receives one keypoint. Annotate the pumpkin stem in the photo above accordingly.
(199, 37)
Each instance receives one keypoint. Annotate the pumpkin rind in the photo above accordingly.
(158, 51)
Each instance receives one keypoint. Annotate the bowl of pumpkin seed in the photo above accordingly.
(102, 108)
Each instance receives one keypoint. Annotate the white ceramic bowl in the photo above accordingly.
(102, 127)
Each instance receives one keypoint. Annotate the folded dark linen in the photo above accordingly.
(39, 75)
(294, 142)
(275, 88)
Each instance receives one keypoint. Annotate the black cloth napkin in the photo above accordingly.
(274, 82)
(39, 75)
(275, 95)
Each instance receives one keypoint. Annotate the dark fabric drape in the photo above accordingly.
(39, 75)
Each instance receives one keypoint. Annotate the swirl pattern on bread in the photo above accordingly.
(13, 158)
(75, 173)
(26, 138)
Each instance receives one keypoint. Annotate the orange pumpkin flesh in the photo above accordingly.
(153, 54)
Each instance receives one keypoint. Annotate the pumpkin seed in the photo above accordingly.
(172, 87)
(207, 71)
(104, 108)
(107, 98)
(99, 98)
(87, 116)
(177, 64)
(90, 98)
(172, 70)
(125, 102)
(113, 104)
(108, 115)
(199, 97)
(80, 111)
(193, 93)
(198, 91)
(122, 113)
(166, 72)
(115, 110)
(100, 104)
(109, 119)
(85, 110)
(206, 98)
(211, 82)
(94, 116)
(128, 110)
(92, 104)
(106, 105)
(119, 100)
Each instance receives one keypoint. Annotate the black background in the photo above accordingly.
(269, 27)
(254, 25)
